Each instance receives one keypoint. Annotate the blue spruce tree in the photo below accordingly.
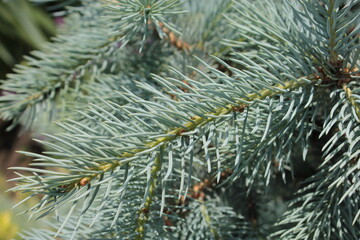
(194, 119)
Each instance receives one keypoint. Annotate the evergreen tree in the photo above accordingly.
(193, 119)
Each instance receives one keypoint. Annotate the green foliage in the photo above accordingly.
(22, 28)
(161, 144)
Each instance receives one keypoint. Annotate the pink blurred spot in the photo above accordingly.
(59, 20)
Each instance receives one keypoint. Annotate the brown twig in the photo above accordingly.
(173, 39)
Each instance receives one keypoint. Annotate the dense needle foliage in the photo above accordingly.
(195, 119)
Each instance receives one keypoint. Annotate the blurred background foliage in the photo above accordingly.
(11, 222)
(24, 26)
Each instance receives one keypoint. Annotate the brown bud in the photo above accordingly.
(172, 37)
(179, 44)
(145, 210)
(165, 29)
(84, 181)
(181, 132)
(240, 108)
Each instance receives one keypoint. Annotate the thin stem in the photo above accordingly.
(332, 32)
(206, 215)
(144, 212)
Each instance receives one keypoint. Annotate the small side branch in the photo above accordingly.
(207, 218)
(144, 212)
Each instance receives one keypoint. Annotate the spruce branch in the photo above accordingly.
(148, 161)
(79, 183)
(329, 199)
(79, 65)
(68, 74)
(240, 91)
(195, 122)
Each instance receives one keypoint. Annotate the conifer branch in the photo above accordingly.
(112, 27)
(68, 74)
(149, 162)
(106, 48)
(197, 121)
